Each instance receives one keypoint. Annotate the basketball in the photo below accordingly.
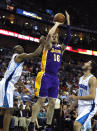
(59, 17)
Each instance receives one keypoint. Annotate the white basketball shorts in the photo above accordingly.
(6, 94)
(85, 113)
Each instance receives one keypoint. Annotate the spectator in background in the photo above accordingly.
(64, 96)
(22, 114)
(69, 118)
(95, 122)
(28, 111)
(57, 115)
(69, 84)
(42, 117)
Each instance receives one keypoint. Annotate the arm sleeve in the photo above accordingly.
(68, 38)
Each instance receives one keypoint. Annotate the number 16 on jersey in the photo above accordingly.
(56, 57)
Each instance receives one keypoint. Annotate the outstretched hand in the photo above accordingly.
(58, 23)
(72, 97)
(67, 17)
(42, 40)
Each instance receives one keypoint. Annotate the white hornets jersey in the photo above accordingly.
(84, 90)
(14, 71)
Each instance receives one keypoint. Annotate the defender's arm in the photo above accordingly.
(25, 56)
(93, 85)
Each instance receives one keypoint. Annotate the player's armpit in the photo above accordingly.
(63, 47)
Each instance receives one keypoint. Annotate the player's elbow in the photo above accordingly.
(29, 56)
(49, 35)
(92, 97)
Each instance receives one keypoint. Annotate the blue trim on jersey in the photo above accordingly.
(5, 102)
(83, 86)
(83, 119)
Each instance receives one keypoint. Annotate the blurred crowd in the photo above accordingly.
(24, 97)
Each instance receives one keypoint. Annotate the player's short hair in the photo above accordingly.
(15, 48)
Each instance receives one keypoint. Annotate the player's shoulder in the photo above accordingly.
(58, 45)
(14, 55)
(19, 57)
(93, 78)
(80, 77)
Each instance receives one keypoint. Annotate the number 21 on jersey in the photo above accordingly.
(56, 57)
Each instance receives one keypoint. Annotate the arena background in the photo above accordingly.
(24, 21)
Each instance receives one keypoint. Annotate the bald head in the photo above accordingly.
(18, 49)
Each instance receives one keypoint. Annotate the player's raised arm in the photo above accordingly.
(25, 56)
(50, 34)
(53, 29)
(68, 38)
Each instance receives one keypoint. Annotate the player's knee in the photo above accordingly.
(77, 124)
(40, 101)
(89, 129)
(52, 103)
(8, 112)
